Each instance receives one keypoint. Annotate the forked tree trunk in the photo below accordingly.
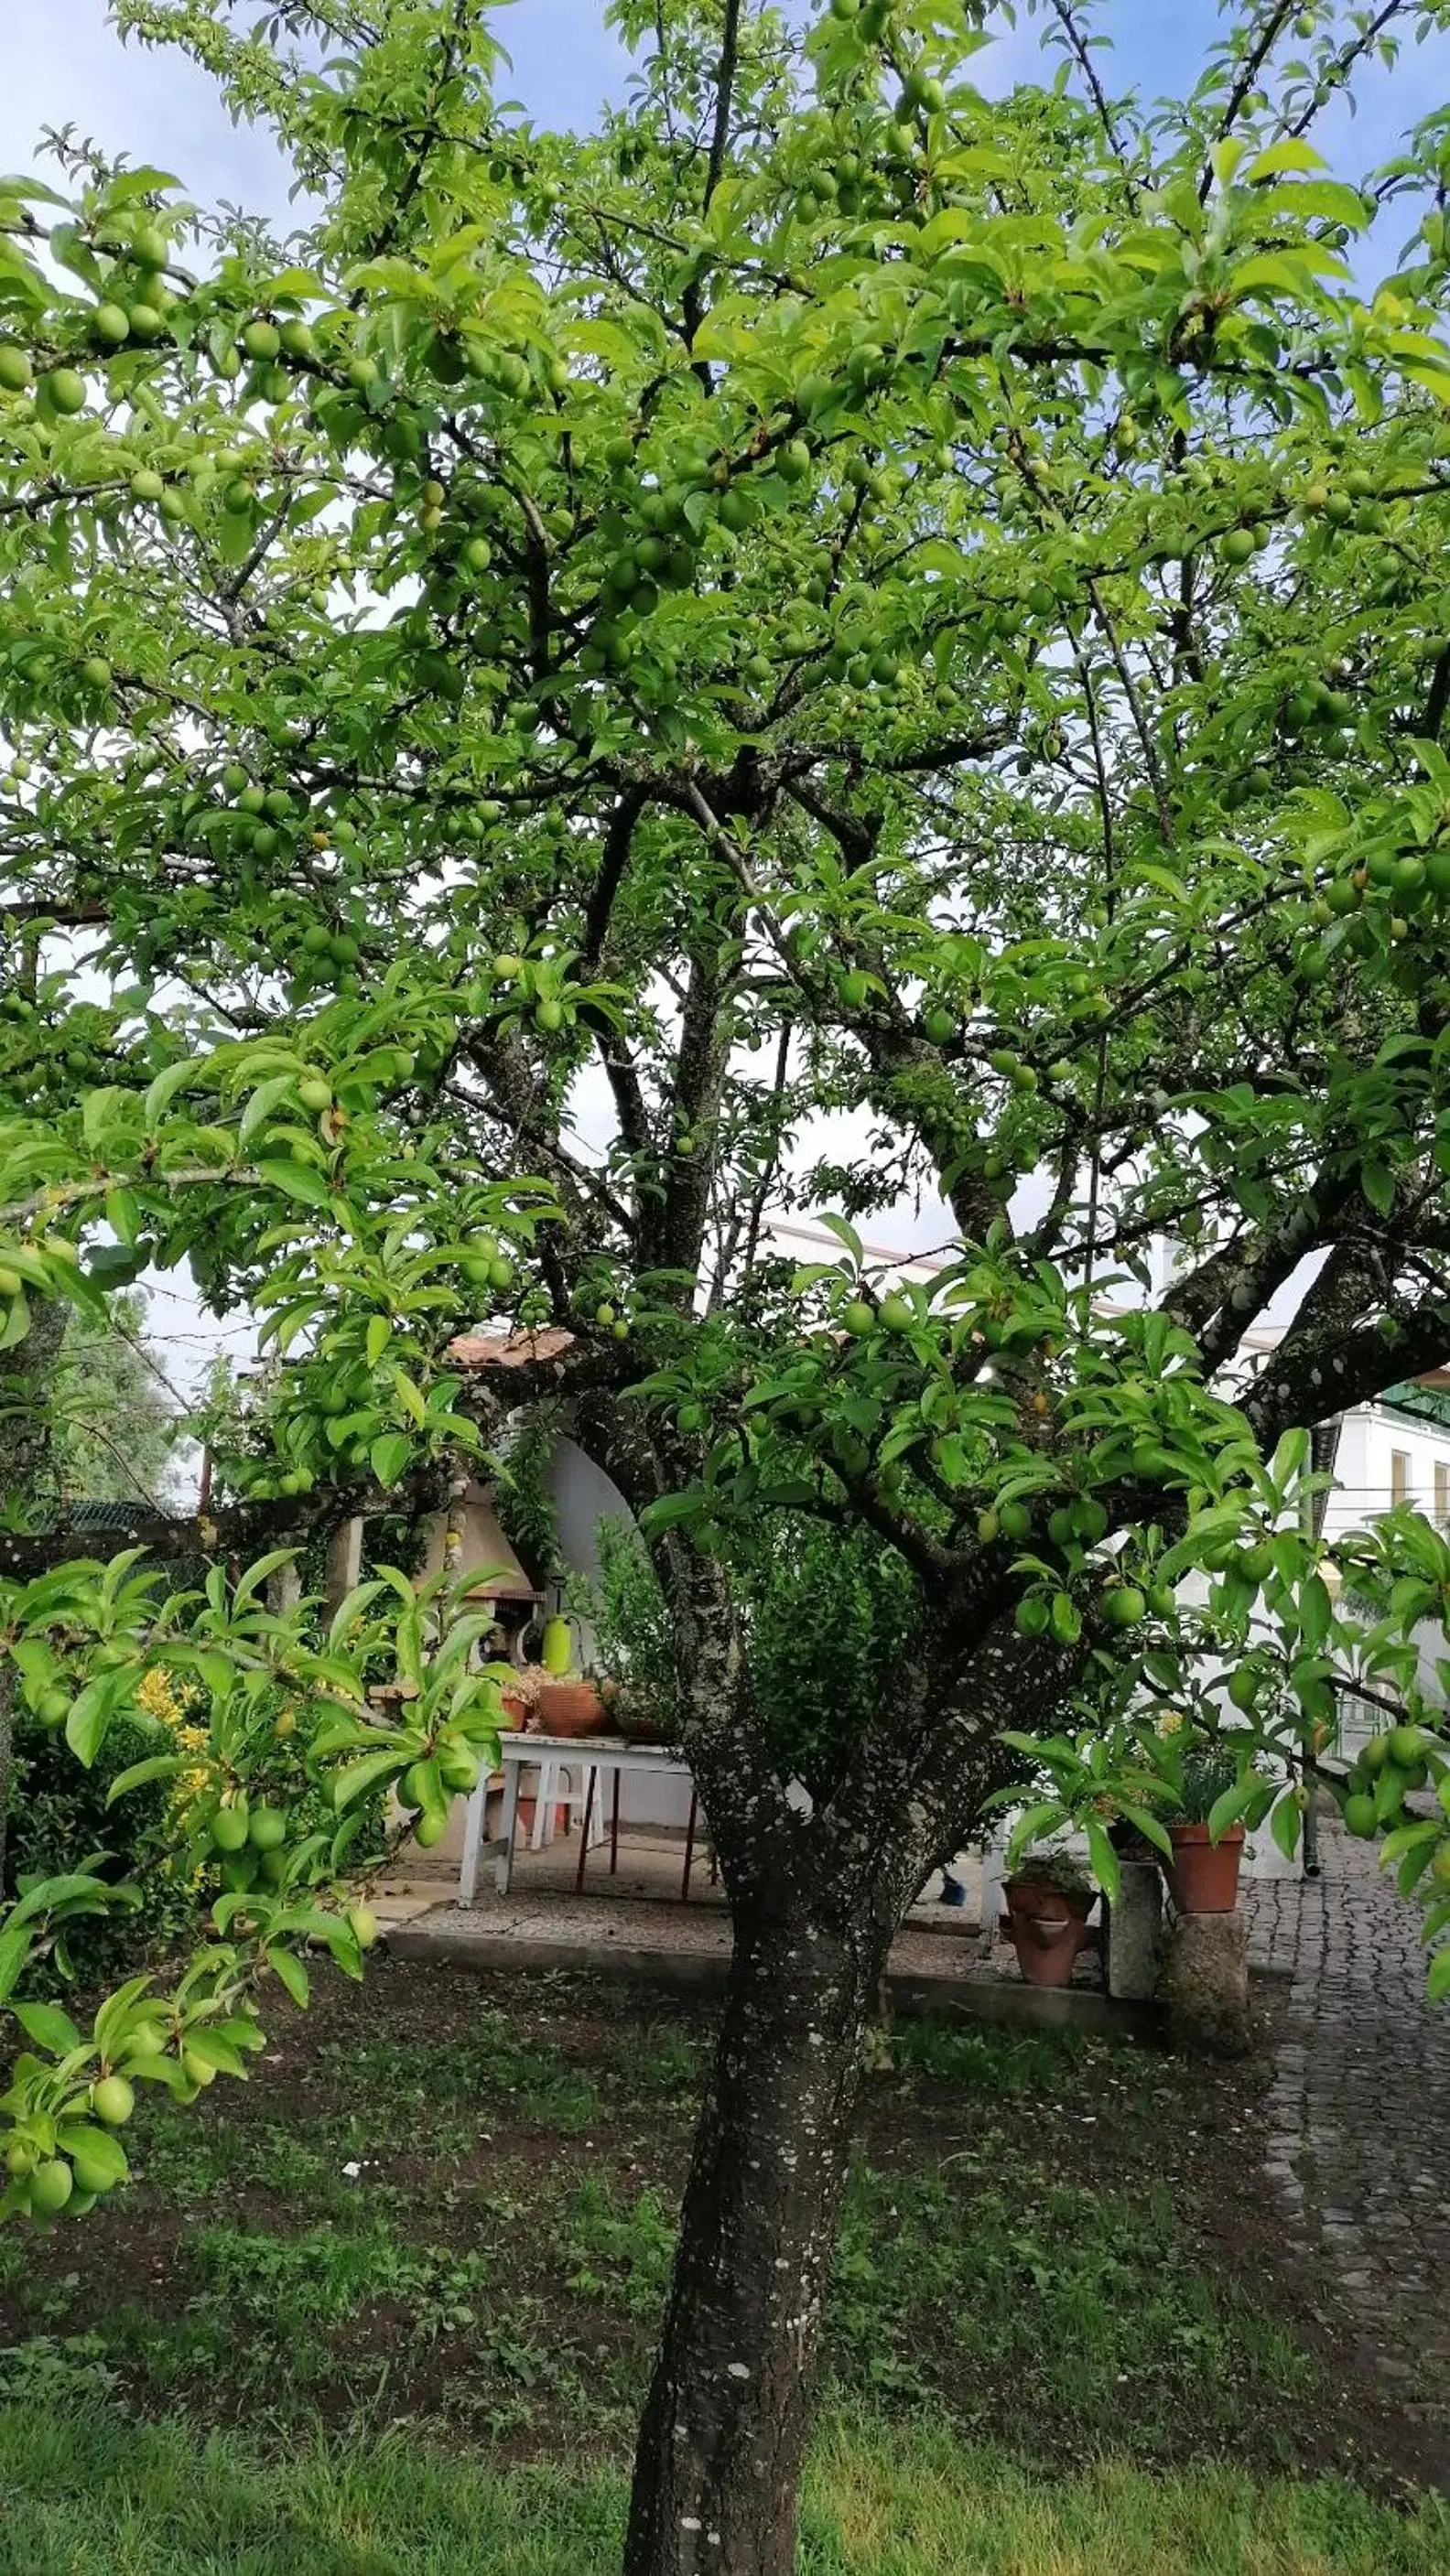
(723, 2435)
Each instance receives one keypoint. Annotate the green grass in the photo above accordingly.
(495, 2069)
(988, 2269)
(1030, 2262)
(87, 2496)
(953, 2278)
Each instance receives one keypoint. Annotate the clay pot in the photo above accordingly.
(1047, 1927)
(568, 1708)
(1204, 1878)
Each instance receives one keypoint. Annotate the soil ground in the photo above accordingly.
(448, 2198)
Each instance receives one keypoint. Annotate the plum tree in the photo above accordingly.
(908, 609)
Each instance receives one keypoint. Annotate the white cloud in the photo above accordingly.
(65, 65)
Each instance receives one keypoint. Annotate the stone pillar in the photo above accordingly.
(344, 1565)
(1204, 1985)
(284, 1590)
(1135, 1932)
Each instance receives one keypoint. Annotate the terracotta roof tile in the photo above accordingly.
(510, 1350)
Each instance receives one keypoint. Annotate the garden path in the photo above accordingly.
(1358, 2147)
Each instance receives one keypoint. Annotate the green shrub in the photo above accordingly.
(58, 1819)
(830, 1616)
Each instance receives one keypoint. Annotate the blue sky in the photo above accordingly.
(64, 63)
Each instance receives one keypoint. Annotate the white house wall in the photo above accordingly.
(583, 1496)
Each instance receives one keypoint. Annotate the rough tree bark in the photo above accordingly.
(723, 2435)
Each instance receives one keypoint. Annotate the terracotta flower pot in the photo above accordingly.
(1204, 1877)
(569, 1708)
(1047, 1927)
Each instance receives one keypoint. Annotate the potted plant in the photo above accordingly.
(1049, 1898)
(632, 1646)
(1203, 1876)
(631, 1713)
(537, 1702)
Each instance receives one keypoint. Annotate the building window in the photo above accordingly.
(1442, 1492)
(1399, 1476)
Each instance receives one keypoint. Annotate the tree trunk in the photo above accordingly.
(26, 1475)
(723, 2436)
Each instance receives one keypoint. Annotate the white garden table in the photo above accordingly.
(594, 1756)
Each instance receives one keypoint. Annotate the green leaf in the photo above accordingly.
(1289, 1461)
(252, 1581)
(288, 1968)
(412, 1401)
(1316, 1611)
(1437, 1984)
(1033, 1821)
(235, 537)
(172, 1079)
(1286, 1823)
(92, 1710)
(1293, 154)
(49, 2027)
(389, 1456)
(845, 1233)
(102, 2150)
(123, 1214)
(101, 1112)
(1229, 1807)
(160, 1766)
(1106, 1869)
(15, 1946)
(350, 1782)
(300, 1181)
(267, 1097)
(209, 2045)
(1151, 1827)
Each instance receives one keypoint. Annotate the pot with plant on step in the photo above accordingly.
(1203, 1875)
(1049, 1898)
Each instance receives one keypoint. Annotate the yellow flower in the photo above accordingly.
(1172, 1722)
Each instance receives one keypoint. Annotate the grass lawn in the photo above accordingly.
(388, 2309)
(85, 2496)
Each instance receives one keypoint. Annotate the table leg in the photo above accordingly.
(472, 1837)
(690, 1845)
(512, 1769)
(589, 1777)
(614, 1828)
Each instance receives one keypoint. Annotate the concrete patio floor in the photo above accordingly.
(634, 1926)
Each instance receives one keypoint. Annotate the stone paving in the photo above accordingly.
(1358, 2145)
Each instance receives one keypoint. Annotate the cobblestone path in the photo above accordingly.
(1358, 2144)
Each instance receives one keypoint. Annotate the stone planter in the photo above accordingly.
(1134, 1932)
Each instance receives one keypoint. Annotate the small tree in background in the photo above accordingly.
(828, 600)
(116, 1415)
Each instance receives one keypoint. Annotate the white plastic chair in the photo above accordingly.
(552, 1794)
